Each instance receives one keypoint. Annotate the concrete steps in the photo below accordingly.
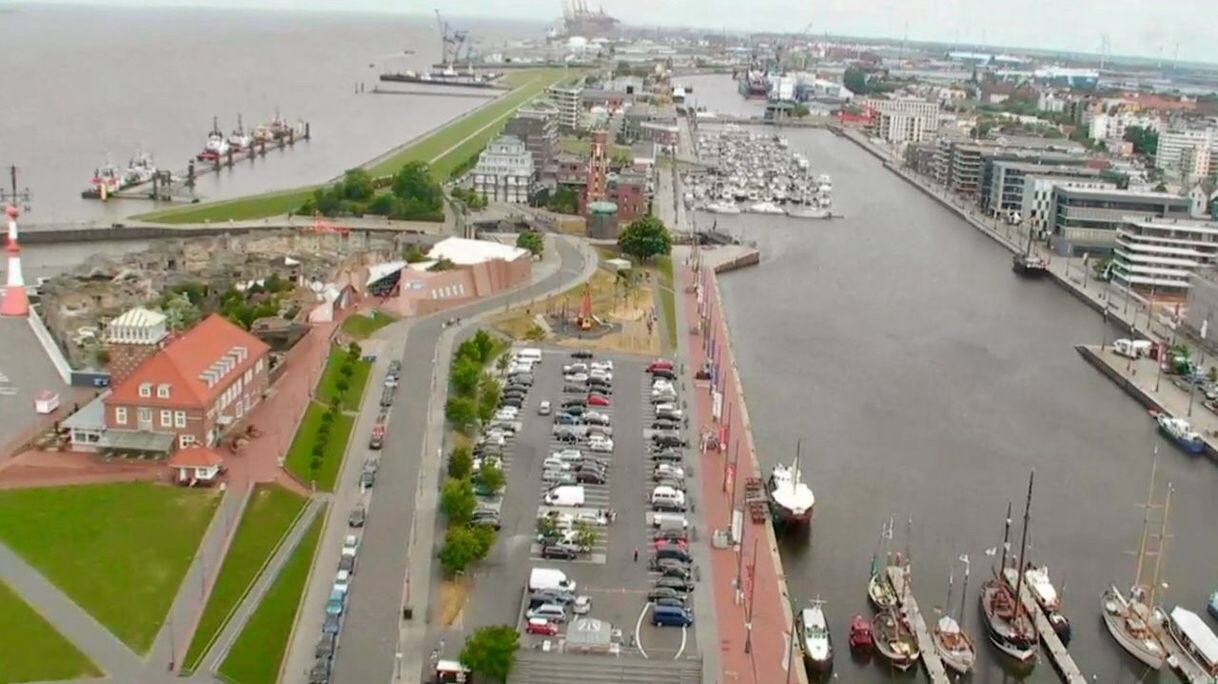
(534, 667)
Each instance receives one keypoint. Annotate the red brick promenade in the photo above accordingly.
(759, 657)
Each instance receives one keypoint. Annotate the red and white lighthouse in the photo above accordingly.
(16, 301)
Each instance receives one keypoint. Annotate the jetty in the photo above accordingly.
(1058, 653)
(926, 641)
(1178, 660)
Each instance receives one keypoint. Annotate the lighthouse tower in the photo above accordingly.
(16, 301)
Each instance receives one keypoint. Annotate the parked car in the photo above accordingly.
(332, 624)
(596, 418)
(582, 605)
(574, 403)
(659, 364)
(326, 646)
(674, 583)
(664, 423)
(670, 602)
(598, 400)
(573, 368)
(543, 409)
(603, 364)
(337, 602)
(663, 397)
(525, 379)
(567, 419)
(599, 380)
(668, 455)
(581, 354)
(541, 626)
(544, 596)
(568, 454)
(567, 437)
(668, 470)
(358, 515)
(658, 593)
(667, 438)
(555, 476)
(486, 519)
(600, 390)
(677, 571)
(351, 545)
(600, 374)
(346, 563)
(320, 672)
(377, 440)
(575, 378)
(342, 581)
(664, 373)
(559, 552)
(367, 479)
(549, 611)
(514, 402)
(589, 476)
(600, 444)
(387, 398)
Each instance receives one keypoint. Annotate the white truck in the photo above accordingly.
(550, 578)
(565, 495)
(1133, 349)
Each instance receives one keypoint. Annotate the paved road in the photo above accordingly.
(371, 630)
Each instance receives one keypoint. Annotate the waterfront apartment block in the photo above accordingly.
(505, 171)
(1038, 197)
(1005, 182)
(569, 102)
(1162, 255)
(536, 125)
(1186, 155)
(902, 120)
(1085, 220)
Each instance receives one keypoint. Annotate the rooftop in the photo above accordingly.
(139, 317)
(195, 457)
(465, 252)
(1121, 194)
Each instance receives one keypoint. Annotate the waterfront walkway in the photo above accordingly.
(752, 606)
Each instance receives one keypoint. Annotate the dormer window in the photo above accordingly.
(145, 389)
(162, 391)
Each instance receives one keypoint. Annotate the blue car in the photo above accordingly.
(337, 602)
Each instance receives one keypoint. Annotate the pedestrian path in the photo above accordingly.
(77, 626)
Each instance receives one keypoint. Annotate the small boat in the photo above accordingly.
(1049, 601)
(952, 643)
(766, 208)
(1179, 431)
(216, 146)
(861, 641)
(1195, 638)
(239, 139)
(808, 211)
(879, 588)
(140, 169)
(723, 208)
(106, 181)
(1029, 265)
(814, 638)
(895, 641)
(791, 501)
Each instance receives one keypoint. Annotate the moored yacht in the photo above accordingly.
(1179, 431)
(766, 208)
(894, 640)
(723, 208)
(791, 501)
(814, 638)
(1008, 626)
(1049, 600)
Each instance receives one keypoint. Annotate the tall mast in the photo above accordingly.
(1154, 467)
(795, 475)
(1023, 546)
(963, 590)
(1162, 551)
(1006, 541)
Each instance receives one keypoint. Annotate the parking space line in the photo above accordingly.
(638, 630)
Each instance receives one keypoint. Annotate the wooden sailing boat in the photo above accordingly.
(1129, 620)
(953, 644)
(894, 640)
(1009, 628)
(879, 587)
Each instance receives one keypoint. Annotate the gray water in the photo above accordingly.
(926, 381)
(86, 85)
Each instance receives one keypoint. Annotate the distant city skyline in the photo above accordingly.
(1167, 30)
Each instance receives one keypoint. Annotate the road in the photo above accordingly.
(370, 634)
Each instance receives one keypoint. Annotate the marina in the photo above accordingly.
(911, 612)
(1058, 654)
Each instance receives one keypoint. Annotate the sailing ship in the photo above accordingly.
(953, 645)
(814, 638)
(1049, 600)
(1028, 264)
(1009, 628)
(894, 640)
(879, 588)
(1179, 431)
(791, 501)
(1130, 619)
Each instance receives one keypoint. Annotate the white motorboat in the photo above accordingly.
(723, 208)
(1195, 638)
(808, 211)
(814, 639)
(766, 208)
(139, 170)
(791, 501)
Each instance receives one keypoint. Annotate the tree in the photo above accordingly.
(491, 477)
(585, 536)
(460, 548)
(800, 110)
(180, 312)
(485, 346)
(532, 241)
(442, 264)
(855, 80)
(461, 412)
(357, 185)
(547, 528)
(460, 463)
(645, 238)
(490, 650)
(413, 183)
(457, 500)
(1145, 141)
(413, 255)
(489, 391)
(564, 201)
(466, 374)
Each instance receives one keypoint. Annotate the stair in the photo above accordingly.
(535, 667)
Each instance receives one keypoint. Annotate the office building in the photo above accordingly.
(1185, 155)
(536, 125)
(1163, 255)
(569, 102)
(505, 171)
(1038, 197)
(1005, 182)
(1085, 220)
(902, 120)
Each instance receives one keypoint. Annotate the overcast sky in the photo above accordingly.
(1150, 28)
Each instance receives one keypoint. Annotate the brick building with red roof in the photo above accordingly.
(194, 387)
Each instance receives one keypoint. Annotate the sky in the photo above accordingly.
(1167, 29)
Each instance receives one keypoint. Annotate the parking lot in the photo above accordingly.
(606, 526)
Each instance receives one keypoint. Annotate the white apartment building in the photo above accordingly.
(504, 172)
(1038, 197)
(1102, 126)
(902, 120)
(569, 100)
(1185, 155)
(1163, 254)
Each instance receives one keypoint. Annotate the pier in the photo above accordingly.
(1058, 654)
(1178, 660)
(926, 641)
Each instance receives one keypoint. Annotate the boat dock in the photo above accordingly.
(1178, 660)
(926, 641)
(1058, 653)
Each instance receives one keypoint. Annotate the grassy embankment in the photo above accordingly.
(333, 386)
(31, 650)
(258, 651)
(267, 517)
(444, 150)
(119, 551)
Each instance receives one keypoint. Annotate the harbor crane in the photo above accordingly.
(453, 41)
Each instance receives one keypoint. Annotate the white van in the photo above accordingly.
(550, 578)
(667, 498)
(669, 522)
(530, 355)
(568, 495)
(1133, 349)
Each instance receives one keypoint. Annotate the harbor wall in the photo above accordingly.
(114, 233)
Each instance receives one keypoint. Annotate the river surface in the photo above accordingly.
(926, 381)
(86, 85)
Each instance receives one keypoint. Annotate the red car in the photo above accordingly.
(542, 627)
(659, 364)
(598, 400)
(679, 543)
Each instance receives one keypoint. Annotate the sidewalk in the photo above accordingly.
(751, 620)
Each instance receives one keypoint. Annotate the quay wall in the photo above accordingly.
(751, 258)
(54, 236)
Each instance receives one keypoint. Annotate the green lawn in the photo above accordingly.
(620, 153)
(31, 650)
(119, 550)
(256, 655)
(297, 460)
(361, 327)
(327, 387)
(268, 515)
(668, 298)
(437, 149)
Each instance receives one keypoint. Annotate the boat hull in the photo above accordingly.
(1194, 447)
(1026, 270)
(880, 593)
(1113, 621)
(1018, 643)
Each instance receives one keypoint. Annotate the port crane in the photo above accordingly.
(453, 41)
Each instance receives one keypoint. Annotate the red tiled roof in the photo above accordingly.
(195, 457)
(181, 363)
